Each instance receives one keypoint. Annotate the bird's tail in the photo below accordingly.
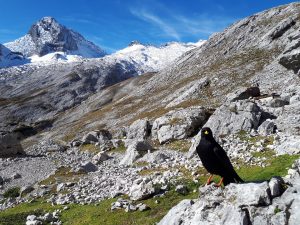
(228, 180)
(232, 179)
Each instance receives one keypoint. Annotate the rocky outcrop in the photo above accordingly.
(250, 203)
(10, 144)
(291, 61)
(243, 93)
(234, 117)
(179, 124)
(135, 150)
(142, 189)
(266, 128)
(139, 129)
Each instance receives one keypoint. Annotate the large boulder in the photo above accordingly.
(291, 61)
(230, 206)
(231, 118)
(142, 189)
(135, 149)
(179, 124)
(10, 144)
(243, 93)
(139, 129)
(266, 128)
(234, 117)
(89, 138)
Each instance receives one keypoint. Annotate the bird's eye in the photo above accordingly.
(206, 132)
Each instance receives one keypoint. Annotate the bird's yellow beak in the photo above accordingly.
(206, 132)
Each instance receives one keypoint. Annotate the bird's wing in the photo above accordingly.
(222, 157)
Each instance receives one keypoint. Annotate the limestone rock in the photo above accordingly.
(135, 150)
(10, 144)
(89, 167)
(250, 194)
(140, 129)
(266, 128)
(142, 190)
(179, 124)
(91, 137)
(243, 93)
(100, 157)
(234, 117)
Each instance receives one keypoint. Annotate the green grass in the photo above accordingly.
(18, 214)
(94, 215)
(12, 192)
(101, 213)
(179, 145)
(90, 148)
(97, 215)
(120, 149)
(62, 174)
(278, 166)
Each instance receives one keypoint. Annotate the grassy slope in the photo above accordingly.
(101, 214)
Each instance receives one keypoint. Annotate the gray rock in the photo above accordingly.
(60, 187)
(26, 189)
(154, 157)
(234, 117)
(276, 186)
(295, 99)
(178, 124)
(91, 137)
(135, 150)
(142, 190)
(1, 180)
(139, 129)
(289, 145)
(181, 189)
(266, 128)
(75, 143)
(243, 93)
(291, 61)
(142, 207)
(16, 176)
(89, 167)
(10, 144)
(278, 102)
(249, 194)
(177, 214)
(104, 135)
(281, 28)
(31, 218)
(100, 157)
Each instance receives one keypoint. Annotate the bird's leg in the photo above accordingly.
(209, 179)
(220, 183)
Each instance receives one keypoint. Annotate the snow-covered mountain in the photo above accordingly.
(48, 36)
(9, 58)
(49, 42)
(150, 58)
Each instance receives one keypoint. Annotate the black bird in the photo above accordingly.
(215, 159)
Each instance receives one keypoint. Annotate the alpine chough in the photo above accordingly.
(215, 159)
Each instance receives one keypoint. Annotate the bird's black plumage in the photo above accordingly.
(215, 159)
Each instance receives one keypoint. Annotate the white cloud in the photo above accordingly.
(177, 25)
(168, 29)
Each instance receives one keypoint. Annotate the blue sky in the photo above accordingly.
(113, 24)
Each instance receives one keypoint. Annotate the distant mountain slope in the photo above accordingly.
(149, 58)
(48, 36)
(9, 58)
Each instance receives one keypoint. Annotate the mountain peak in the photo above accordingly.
(134, 42)
(48, 36)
